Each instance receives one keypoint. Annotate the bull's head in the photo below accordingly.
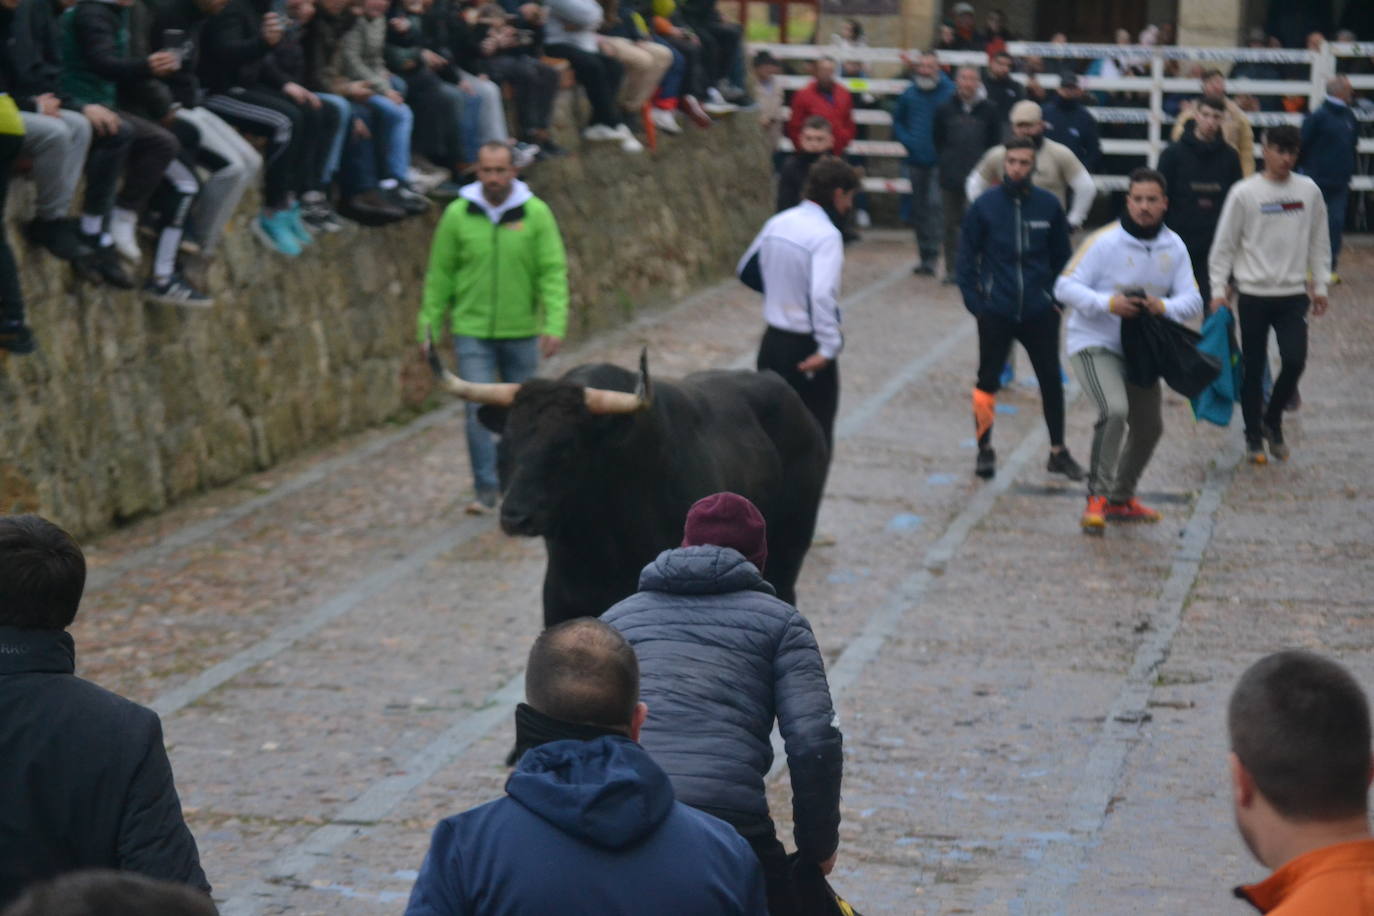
(551, 433)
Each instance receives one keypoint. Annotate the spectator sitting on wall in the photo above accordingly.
(571, 35)
(721, 658)
(84, 780)
(671, 29)
(1235, 126)
(589, 822)
(15, 335)
(102, 892)
(722, 49)
(1068, 121)
(827, 97)
(645, 62)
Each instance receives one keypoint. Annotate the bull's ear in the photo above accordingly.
(493, 417)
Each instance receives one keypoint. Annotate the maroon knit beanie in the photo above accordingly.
(728, 520)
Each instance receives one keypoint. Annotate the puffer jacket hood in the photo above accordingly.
(702, 570)
(607, 792)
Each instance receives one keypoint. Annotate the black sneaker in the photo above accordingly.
(176, 291)
(1061, 462)
(1274, 436)
(923, 270)
(59, 236)
(1254, 451)
(103, 265)
(403, 197)
(986, 466)
(16, 337)
(318, 215)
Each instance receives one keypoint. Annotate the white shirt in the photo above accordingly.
(1111, 260)
(1272, 236)
(801, 256)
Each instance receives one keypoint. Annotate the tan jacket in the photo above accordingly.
(1235, 130)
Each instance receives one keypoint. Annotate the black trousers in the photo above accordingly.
(720, 43)
(535, 86)
(1198, 249)
(1287, 315)
(152, 149)
(11, 296)
(104, 165)
(272, 115)
(1040, 336)
(599, 75)
(820, 391)
(777, 875)
(694, 79)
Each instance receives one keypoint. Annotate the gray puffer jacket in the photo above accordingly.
(720, 657)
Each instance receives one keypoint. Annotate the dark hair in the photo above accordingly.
(829, 174)
(1211, 101)
(494, 145)
(104, 892)
(583, 671)
(1284, 137)
(817, 122)
(1019, 143)
(1211, 74)
(1300, 725)
(1145, 175)
(858, 28)
(1006, 54)
(42, 574)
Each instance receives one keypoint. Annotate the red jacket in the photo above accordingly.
(839, 112)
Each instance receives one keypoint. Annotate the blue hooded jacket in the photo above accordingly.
(913, 120)
(1011, 249)
(1329, 138)
(587, 827)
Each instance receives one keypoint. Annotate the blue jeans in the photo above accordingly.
(396, 121)
(358, 171)
(1336, 199)
(484, 360)
(331, 164)
(671, 85)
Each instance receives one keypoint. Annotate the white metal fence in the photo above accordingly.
(1321, 65)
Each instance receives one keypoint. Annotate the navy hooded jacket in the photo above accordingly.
(721, 657)
(913, 119)
(1329, 138)
(587, 827)
(1011, 249)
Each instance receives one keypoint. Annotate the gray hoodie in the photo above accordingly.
(573, 22)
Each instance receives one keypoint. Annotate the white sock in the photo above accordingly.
(386, 184)
(121, 217)
(92, 223)
(106, 240)
(165, 263)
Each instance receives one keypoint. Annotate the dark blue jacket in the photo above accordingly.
(1011, 248)
(913, 119)
(587, 827)
(1071, 124)
(1329, 138)
(719, 659)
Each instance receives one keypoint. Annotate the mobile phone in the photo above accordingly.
(174, 40)
(1134, 292)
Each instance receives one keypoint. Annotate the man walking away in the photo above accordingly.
(1199, 169)
(1329, 156)
(796, 262)
(1300, 771)
(589, 824)
(498, 279)
(965, 127)
(913, 125)
(717, 683)
(84, 779)
(1121, 270)
(1015, 241)
(1272, 238)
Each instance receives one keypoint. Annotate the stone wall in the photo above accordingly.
(131, 406)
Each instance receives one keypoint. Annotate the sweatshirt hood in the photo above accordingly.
(607, 792)
(1191, 138)
(702, 570)
(520, 193)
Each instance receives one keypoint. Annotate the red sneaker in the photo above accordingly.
(1095, 515)
(1132, 510)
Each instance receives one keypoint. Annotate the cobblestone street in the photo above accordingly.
(1033, 720)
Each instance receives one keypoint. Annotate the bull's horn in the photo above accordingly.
(599, 400)
(500, 394)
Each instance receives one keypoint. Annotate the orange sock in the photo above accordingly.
(984, 408)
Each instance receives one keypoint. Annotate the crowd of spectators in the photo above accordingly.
(357, 110)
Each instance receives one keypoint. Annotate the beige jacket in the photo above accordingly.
(1235, 130)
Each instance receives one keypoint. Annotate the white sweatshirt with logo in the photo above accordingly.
(1271, 237)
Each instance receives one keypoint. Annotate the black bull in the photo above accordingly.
(608, 492)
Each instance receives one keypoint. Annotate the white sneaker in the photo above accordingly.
(524, 154)
(122, 231)
(716, 104)
(600, 133)
(665, 121)
(862, 219)
(631, 145)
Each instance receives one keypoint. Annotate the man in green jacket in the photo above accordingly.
(498, 277)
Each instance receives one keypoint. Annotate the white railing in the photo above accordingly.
(1154, 86)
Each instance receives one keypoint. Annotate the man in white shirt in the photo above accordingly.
(1121, 270)
(1273, 239)
(796, 262)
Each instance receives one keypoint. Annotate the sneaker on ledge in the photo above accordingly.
(16, 337)
(1132, 510)
(665, 121)
(176, 291)
(273, 231)
(694, 110)
(600, 133)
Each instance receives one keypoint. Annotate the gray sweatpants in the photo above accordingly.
(58, 147)
(1123, 411)
(233, 165)
(491, 125)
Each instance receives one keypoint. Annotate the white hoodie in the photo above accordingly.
(519, 194)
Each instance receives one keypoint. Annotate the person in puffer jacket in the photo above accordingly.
(720, 658)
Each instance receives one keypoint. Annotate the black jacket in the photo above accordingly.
(792, 179)
(1071, 124)
(962, 136)
(233, 52)
(149, 25)
(1003, 94)
(34, 53)
(720, 657)
(1199, 175)
(84, 777)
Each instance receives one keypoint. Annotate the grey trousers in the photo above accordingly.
(1123, 411)
(58, 147)
(491, 126)
(954, 204)
(233, 165)
(926, 211)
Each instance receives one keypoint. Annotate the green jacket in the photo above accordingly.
(492, 279)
